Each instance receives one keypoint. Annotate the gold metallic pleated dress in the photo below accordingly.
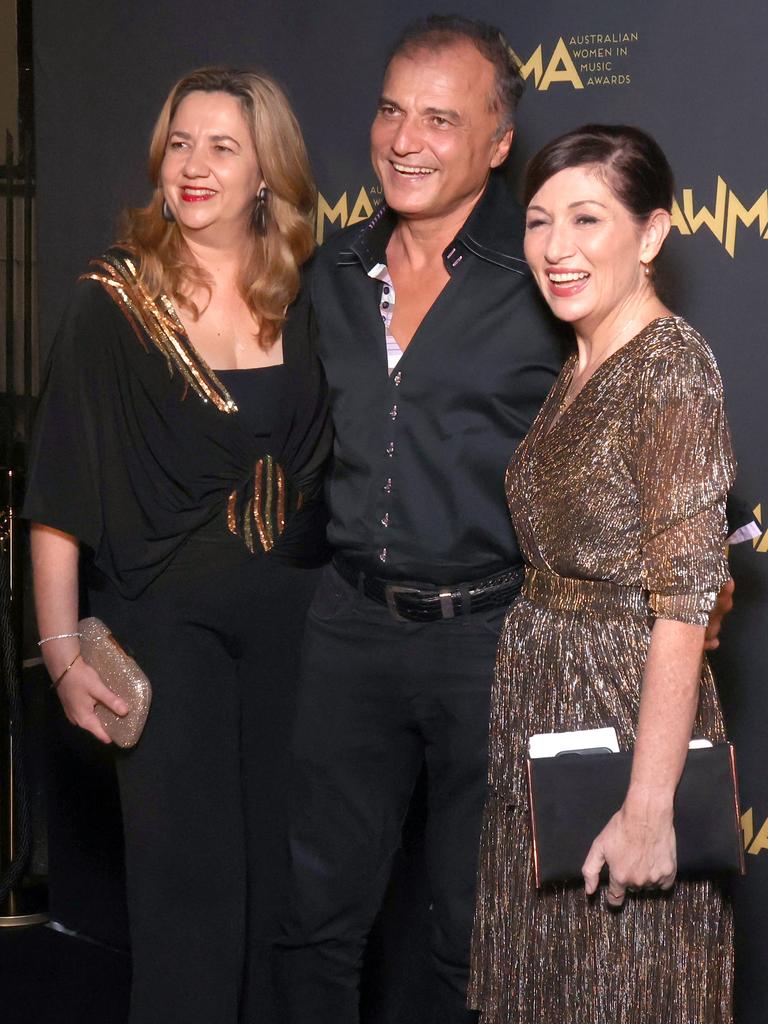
(618, 502)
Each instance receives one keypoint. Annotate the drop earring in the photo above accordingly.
(260, 213)
(167, 213)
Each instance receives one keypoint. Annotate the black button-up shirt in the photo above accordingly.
(416, 491)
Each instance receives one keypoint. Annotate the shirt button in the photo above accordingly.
(383, 555)
(391, 449)
(385, 519)
(388, 485)
(393, 412)
(397, 378)
(386, 289)
(385, 305)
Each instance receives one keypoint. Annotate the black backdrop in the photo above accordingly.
(692, 74)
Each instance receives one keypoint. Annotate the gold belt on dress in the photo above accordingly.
(563, 593)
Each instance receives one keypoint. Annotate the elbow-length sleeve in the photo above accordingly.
(684, 467)
(63, 487)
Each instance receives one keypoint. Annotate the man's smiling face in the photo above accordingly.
(435, 136)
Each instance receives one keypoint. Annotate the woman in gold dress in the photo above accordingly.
(618, 498)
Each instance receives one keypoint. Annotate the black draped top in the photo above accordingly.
(138, 442)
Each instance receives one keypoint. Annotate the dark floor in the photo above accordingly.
(47, 977)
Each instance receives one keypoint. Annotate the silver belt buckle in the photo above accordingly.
(390, 590)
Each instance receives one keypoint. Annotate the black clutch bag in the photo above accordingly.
(573, 796)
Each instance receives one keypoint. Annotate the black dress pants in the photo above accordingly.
(203, 793)
(378, 698)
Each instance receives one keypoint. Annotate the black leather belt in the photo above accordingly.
(425, 604)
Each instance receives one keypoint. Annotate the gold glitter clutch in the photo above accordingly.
(120, 673)
(573, 796)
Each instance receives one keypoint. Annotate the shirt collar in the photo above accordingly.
(492, 232)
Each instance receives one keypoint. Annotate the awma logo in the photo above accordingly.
(559, 68)
(583, 61)
(760, 542)
(342, 212)
(754, 842)
(724, 218)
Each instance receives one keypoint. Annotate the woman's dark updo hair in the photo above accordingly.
(636, 170)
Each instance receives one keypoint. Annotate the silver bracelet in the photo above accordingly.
(58, 636)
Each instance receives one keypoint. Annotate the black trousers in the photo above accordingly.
(203, 792)
(378, 698)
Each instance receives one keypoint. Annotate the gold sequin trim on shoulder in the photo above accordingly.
(158, 320)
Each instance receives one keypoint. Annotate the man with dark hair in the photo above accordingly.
(438, 354)
(439, 31)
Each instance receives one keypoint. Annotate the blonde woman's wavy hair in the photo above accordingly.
(269, 280)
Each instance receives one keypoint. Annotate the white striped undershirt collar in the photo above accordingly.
(387, 307)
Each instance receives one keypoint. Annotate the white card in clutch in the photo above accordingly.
(548, 744)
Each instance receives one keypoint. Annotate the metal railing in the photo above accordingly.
(20, 901)
(19, 360)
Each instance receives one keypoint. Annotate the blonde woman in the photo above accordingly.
(178, 452)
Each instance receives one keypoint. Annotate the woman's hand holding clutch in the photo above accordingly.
(80, 690)
(639, 849)
(55, 556)
(638, 843)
